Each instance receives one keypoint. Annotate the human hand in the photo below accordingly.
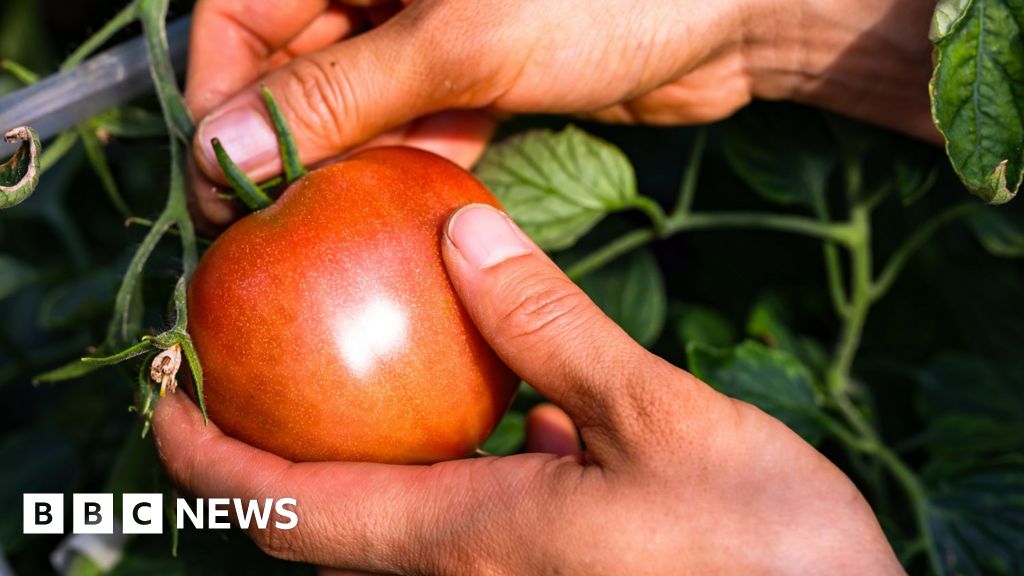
(424, 76)
(676, 478)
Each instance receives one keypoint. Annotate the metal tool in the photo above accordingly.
(109, 79)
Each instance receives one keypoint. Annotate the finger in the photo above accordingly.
(546, 329)
(232, 38)
(458, 135)
(550, 430)
(355, 516)
(340, 97)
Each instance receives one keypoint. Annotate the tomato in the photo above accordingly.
(327, 326)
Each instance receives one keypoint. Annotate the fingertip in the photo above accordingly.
(550, 430)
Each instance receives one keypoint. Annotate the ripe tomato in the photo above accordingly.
(327, 327)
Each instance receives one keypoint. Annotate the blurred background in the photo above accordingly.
(940, 369)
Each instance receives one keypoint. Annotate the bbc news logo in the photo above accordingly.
(143, 513)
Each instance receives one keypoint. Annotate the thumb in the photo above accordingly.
(336, 98)
(546, 329)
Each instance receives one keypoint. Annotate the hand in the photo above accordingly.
(676, 478)
(424, 76)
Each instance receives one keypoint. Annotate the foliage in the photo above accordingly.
(832, 274)
(978, 91)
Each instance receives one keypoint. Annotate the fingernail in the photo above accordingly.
(246, 136)
(484, 236)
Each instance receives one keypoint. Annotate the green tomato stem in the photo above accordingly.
(248, 192)
(20, 73)
(293, 168)
(123, 18)
(914, 243)
(836, 232)
(153, 15)
(688, 187)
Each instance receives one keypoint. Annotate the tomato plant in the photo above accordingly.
(842, 278)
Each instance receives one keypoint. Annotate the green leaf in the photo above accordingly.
(768, 322)
(773, 380)
(33, 462)
(977, 92)
(972, 414)
(557, 186)
(948, 14)
(14, 276)
(631, 291)
(912, 179)
(19, 175)
(508, 436)
(1000, 231)
(782, 151)
(977, 522)
(702, 325)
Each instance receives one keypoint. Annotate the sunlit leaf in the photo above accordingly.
(558, 185)
(977, 91)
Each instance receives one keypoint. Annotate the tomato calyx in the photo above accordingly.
(254, 196)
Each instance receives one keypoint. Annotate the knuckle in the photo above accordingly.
(320, 94)
(277, 543)
(542, 306)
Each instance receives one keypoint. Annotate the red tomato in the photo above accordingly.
(327, 327)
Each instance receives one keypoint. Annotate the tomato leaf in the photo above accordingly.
(558, 185)
(977, 90)
(631, 291)
(973, 416)
(1000, 231)
(773, 380)
(701, 325)
(508, 436)
(768, 322)
(976, 522)
(782, 151)
(19, 175)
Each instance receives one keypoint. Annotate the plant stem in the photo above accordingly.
(658, 219)
(123, 18)
(914, 243)
(860, 301)
(610, 251)
(840, 233)
(688, 187)
(20, 73)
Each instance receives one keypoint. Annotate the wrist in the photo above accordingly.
(868, 59)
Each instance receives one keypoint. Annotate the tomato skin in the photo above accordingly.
(327, 326)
